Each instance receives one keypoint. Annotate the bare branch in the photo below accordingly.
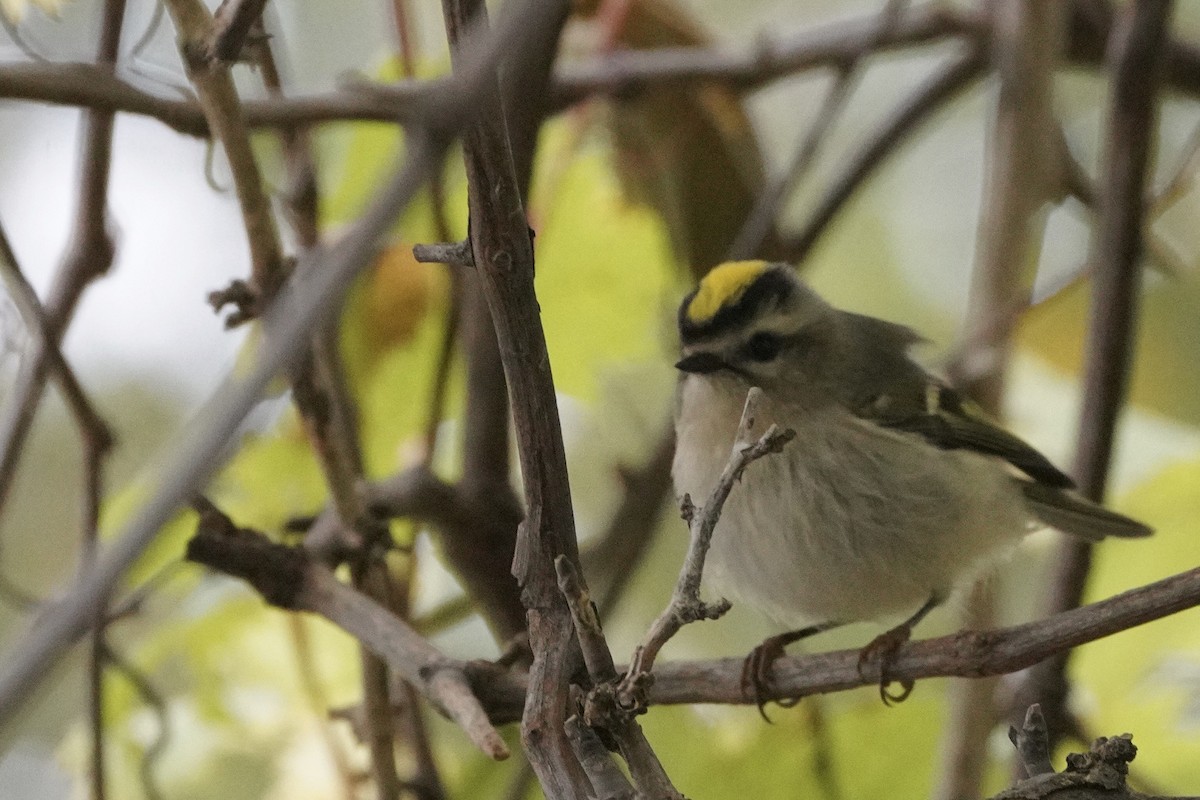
(943, 87)
(222, 109)
(967, 654)
(93, 87)
(320, 279)
(503, 256)
(759, 224)
(286, 577)
(771, 57)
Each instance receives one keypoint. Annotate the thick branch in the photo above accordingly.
(965, 654)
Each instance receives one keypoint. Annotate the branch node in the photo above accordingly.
(276, 571)
(244, 299)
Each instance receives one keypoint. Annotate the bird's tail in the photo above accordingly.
(1067, 511)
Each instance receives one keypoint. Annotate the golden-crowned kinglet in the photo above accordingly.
(893, 491)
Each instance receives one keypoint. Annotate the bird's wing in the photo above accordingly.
(948, 421)
(1068, 512)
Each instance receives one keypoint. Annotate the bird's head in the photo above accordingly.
(753, 323)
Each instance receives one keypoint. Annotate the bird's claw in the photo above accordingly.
(756, 674)
(883, 648)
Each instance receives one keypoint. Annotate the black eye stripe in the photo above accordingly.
(763, 346)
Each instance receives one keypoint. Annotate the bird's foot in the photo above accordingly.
(756, 673)
(883, 649)
(756, 669)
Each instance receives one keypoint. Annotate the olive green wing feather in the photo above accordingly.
(944, 419)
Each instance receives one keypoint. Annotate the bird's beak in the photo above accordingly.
(701, 363)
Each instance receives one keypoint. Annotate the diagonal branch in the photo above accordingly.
(936, 92)
(288, 578)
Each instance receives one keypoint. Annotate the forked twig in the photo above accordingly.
(685, 605)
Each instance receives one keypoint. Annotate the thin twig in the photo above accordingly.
(685, 605)
(223, 111)
(314, 692)
(613, 558)
(758, 225)
(936, 92)
(33, 315)
(153, 698)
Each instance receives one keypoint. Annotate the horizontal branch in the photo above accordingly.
(771, 58)
(96, 87)
(967, 654)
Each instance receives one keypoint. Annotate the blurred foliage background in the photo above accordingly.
(623, 207)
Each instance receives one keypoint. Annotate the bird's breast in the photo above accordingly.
(848, 522)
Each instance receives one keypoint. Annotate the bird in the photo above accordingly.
(894, 491)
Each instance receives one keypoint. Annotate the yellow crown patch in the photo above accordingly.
(723, 285)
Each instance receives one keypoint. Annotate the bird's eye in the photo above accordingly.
(763, 346)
